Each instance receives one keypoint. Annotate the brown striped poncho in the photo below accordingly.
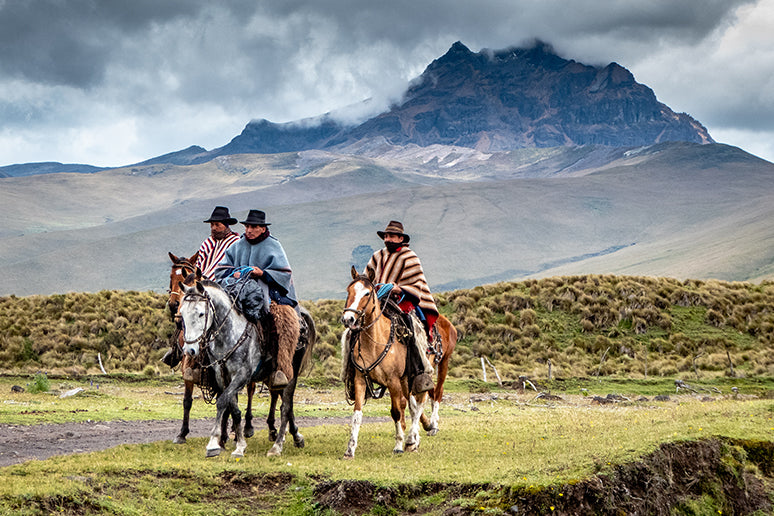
(404, 269)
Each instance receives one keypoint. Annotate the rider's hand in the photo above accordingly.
(257, 272)
(396, 290)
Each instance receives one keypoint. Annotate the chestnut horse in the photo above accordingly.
(377, 358)
(184, 271)
(439, 354)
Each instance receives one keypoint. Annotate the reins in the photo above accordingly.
(358, 331)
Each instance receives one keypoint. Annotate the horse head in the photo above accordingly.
(182, 269)
(198, 313)
(362, 304)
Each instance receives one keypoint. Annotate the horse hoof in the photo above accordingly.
(432, 431)
(272, 435)
(214, 452)
(412, 448)
(397, 451)
(348, 457)
(249, 432)
(179, 440)
(273, 452)
(237, 455)
(299, 442)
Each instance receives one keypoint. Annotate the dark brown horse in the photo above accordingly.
(378, 358)
(184, 271)
(182, 268)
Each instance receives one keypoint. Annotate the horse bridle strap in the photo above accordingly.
(360, 314)
(184, 265)
(210, 334)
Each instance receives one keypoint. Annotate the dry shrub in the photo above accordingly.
(527, 317)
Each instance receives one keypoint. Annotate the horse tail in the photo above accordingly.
(311, 340)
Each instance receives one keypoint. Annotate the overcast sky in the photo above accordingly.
(114, 82)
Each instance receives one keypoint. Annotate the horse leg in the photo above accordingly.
(270, 419)
(239, 436)
(279, 443)
(357, 416)
(416, 407)
(226, 404)
(249, 430)
(187, 403)
(214, 445)
(397, 411)
(298, 438)
(436, 395)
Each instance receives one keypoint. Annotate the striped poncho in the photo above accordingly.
(211, 252)
(404, 269)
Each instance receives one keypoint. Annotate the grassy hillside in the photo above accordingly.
(572, 326)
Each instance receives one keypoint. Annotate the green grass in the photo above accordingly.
(500, 438)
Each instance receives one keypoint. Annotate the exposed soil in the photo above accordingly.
(19, 443)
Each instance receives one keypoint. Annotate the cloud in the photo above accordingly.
(153, 77)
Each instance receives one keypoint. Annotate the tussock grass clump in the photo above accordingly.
(631, 325)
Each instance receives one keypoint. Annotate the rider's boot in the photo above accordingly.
(172, 357)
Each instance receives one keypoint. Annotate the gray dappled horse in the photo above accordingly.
(234, 348)
(184, 271)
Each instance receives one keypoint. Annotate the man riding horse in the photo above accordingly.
(399, 266)
(258, 263)
(209, 255)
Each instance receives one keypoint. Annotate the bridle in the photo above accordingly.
(209, 334)
(186, 268)
(356, 332)
(360, 315)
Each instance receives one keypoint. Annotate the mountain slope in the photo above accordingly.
(679, 210)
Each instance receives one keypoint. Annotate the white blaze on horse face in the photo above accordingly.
(195, 322)
(348, 319)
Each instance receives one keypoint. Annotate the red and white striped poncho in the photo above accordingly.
(404, 269)
(211, 253)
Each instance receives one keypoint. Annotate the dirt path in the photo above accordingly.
(20, 443)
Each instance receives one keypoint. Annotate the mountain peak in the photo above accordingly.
(496, 101)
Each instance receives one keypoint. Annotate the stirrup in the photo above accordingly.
(423, 382)
(278, 381)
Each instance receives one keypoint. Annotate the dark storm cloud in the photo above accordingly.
(71, 42)
(164, 74)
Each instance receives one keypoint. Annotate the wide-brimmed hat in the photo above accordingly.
(394, 228)
(256, 218)
(221, 214)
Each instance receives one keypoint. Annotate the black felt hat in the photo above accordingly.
(256, 218)
(221, 214)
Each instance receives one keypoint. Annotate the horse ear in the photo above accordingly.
(174, 258)
(371, 274)
(199, 287)
(198, 274)
(194, 257)
(354, 272)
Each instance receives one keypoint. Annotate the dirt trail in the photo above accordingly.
(20, 443)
